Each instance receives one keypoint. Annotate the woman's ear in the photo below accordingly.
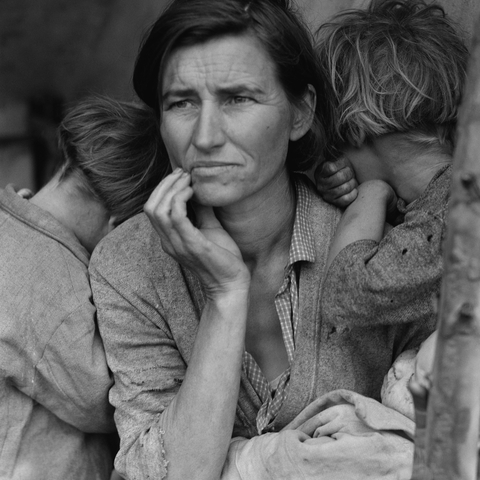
(112, 223)
(303, 115)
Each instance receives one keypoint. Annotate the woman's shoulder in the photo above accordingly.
(321, 214)
(132, 246)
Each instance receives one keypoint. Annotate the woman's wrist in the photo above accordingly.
(237, 286)
(228, 295)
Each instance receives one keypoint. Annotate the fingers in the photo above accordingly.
(318, 421)
(319, 441)
(343, 195)
(161, 197)
(167, 209)
(25, 193)
(330, 168)
(336, 182)
(205, 216)
(330, 176)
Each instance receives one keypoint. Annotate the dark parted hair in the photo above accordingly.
(112, 148)
(278, 28)
(398, 66)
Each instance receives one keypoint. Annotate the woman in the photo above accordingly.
(54, 378)
(211, 325)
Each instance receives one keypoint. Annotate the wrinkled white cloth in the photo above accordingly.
(342, 435)
(395, 393)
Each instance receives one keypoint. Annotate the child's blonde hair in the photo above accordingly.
(398, 66)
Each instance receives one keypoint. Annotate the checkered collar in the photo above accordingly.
(302, 247)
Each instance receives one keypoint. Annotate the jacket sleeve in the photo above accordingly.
(71, 379)
(391, 282)
(148, 371)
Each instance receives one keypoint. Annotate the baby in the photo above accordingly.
(411, 364)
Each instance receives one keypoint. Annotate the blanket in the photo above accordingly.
(340, 436)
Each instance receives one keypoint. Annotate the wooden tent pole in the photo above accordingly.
(453, 412)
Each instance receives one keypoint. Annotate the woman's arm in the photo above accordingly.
(194, 426)
(199, 421)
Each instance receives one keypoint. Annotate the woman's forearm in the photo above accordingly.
(198, 423)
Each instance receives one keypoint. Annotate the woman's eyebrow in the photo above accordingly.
(179, 92)
(240, 88)
(222, 91)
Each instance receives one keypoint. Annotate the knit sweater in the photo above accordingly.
(394, 281)
(149, 308)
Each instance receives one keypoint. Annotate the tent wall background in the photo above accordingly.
(56, 51)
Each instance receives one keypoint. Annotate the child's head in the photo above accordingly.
(111, 148)
(398, 66)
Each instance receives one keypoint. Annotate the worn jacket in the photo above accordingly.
(54, 380)
(149, 308)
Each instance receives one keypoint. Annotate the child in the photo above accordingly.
(54, 379)
(397, 70)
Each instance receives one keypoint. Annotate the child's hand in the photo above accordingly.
(336, 182)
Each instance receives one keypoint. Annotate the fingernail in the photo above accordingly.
(177, 171)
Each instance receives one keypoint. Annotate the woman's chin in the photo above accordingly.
(213, 196)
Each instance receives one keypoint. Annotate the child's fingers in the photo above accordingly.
(343, 195)
(344, 188)
(335, 180)
(345, 200)
(329, 168)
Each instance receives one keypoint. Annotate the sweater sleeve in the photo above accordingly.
(391, 282)
(147, 366)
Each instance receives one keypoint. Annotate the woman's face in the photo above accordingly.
(226, 119)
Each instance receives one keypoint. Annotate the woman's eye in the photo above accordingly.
(239, 99)
(179, 105)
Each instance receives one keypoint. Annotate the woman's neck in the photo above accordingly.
(262, 229)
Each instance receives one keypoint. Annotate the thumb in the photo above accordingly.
(205, 216)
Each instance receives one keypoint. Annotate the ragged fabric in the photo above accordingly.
(366, 440)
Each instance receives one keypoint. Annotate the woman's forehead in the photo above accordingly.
(227, 59)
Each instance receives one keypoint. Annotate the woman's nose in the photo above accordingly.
(208, 131)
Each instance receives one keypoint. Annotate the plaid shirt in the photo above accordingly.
(302, 248)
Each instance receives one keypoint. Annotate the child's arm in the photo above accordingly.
(364, 219)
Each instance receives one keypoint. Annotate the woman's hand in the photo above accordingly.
(208, 251)
(333, 420)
